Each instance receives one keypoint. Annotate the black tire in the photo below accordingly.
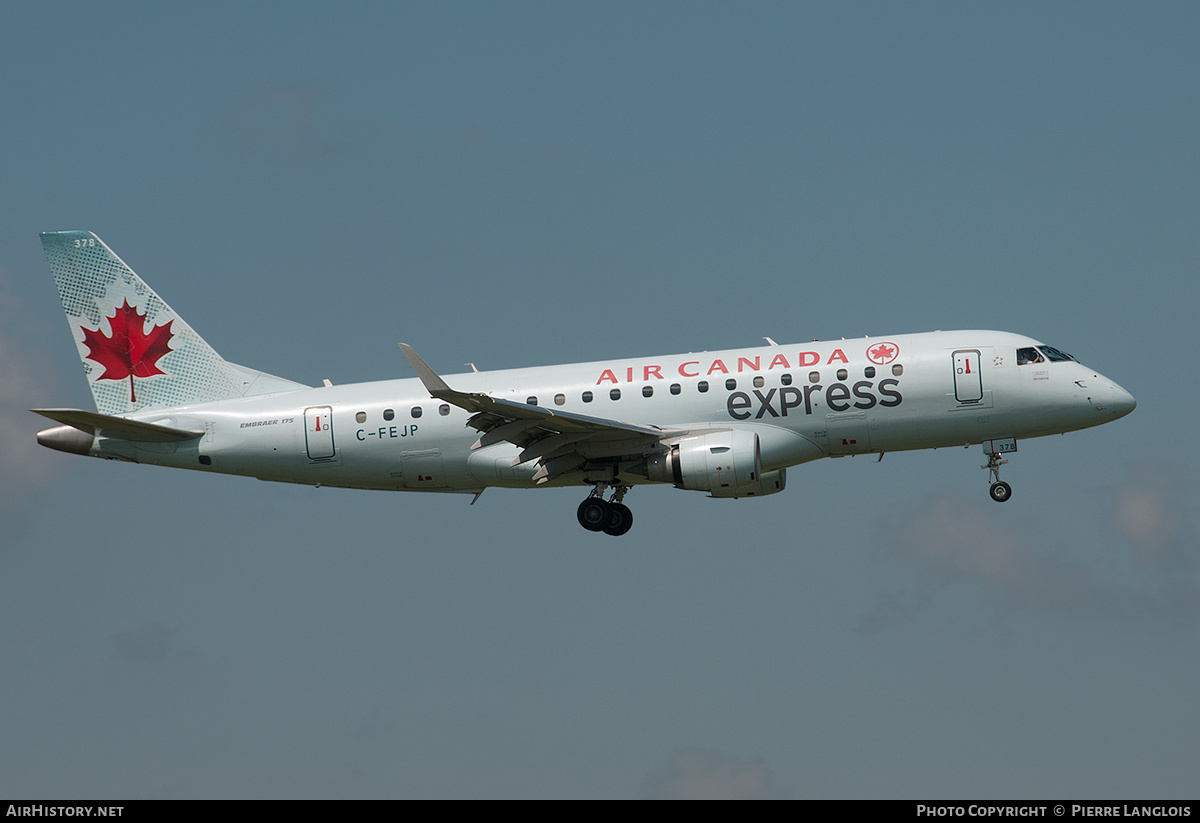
(1000, 491)
(620, 519)
(594, 514)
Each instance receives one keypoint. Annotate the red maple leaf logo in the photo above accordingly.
(883, 353)
(129, 352)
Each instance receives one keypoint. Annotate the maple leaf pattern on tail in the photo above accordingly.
(129, 352)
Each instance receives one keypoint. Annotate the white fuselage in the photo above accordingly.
(804, 401)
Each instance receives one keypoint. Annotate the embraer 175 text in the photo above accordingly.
(728, 423)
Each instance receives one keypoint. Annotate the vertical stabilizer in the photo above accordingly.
(137, 352)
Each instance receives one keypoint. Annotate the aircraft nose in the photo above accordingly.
(1123, 402)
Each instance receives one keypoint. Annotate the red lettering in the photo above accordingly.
(608, 375)
(629, 375)
(651, 370)
(779, 360)
(717, 366)
(808, 358)
(838, 354)
(689, 363)
(753, 364)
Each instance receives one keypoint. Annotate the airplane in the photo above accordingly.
(729, 423)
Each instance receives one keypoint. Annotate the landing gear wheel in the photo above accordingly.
(620, 519)
(594, 514)
(1000, 491)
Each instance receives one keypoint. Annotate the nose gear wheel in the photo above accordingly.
(999, 491)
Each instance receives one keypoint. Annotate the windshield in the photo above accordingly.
(1055, 355)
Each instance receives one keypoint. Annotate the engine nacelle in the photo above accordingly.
(767, 483)
(725, 464)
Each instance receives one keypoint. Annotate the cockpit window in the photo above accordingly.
(1027, 356)
(1055, 355)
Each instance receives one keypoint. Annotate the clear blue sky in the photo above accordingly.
(522, 183)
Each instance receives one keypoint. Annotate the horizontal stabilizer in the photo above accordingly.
(103, 425)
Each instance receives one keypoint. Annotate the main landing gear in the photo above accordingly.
(611, 516)
(1000, 491)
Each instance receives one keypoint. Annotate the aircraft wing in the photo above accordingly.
(560, 441)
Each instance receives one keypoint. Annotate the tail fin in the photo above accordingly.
(137, 352)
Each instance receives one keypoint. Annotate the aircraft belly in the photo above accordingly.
(847, 433)
(492, 466)
(930, 425)
(406, 456)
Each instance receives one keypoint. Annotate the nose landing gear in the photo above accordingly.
(1000, 491)
(611, 517)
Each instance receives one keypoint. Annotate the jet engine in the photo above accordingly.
(724, 464)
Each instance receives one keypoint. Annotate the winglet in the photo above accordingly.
(434, 384)
(437, 387)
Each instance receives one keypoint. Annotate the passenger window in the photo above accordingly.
(785, 379)
(647, 391)
(361, 417)
(758, 382)
(559, 399)
(814, 377)
(731, 384)
(842, 374)
(416, 411)
(869, 371)
(587, 397)
(444, 409)
(389, 414)
(702, 386)
(897, 370)
(615, 394)
(676, 388)
(531, 400)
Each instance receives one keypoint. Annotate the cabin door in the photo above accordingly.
(318, 432)
(968, 380)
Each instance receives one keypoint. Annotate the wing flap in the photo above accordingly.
(546, 447)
